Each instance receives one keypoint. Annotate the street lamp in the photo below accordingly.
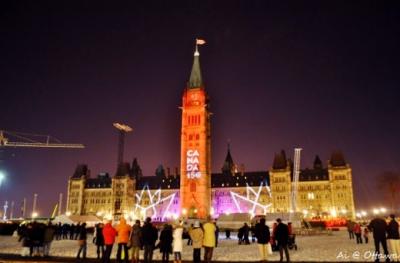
(363, 213)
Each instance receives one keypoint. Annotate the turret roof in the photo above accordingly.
(195, 80)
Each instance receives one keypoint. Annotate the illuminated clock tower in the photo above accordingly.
(195, 192)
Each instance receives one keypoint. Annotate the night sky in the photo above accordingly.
(318, 75)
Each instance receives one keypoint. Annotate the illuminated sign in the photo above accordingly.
(192, 164)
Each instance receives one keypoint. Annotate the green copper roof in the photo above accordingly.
(195, 80)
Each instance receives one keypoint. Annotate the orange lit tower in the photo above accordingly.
(195, 192)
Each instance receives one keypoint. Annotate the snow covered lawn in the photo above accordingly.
(335, 247)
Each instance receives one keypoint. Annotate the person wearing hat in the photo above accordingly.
(177, 244)
(209, 239)
(165, 243)
(150, 236)
(282, 237)
(109, 234)
(197, 235)
(123, 235)
(263, 237)
(393, 236)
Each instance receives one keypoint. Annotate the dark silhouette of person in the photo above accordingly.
(378, 227)
(282, 238)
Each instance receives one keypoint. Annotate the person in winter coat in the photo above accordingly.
(357, 232)
(209, 240)
(366, 235)
(123, 232)
(82, 236)
(37, 238)
(282, 237)
(25, 237)
(246, 231)
(150, 236)
(197, 236)
(240, 235)
(393, 236)
(350, 229)
(165, 243)
(109, 234)
(378, 227)
(99, 240)
(177, 245)
(49, 233)
(216, 233)
(136, 241)
(263, 237)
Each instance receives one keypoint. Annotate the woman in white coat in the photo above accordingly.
(177, 242)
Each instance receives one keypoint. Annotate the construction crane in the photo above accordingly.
(122, 129)
(296, 174)
(33, 140)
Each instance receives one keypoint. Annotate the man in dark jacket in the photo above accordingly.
(263, 236)
(150, 236)
(48, 238)
(393, 236)
(378, 227)
(282, 237)
(136, 241)
(82, 241)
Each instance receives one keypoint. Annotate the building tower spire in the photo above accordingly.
(195, 80)
(195, 174)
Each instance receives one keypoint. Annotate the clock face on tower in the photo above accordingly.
(194, 98)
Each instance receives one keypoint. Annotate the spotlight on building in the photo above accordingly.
(34, 215)
(382, 210)
(68, 213)
(375, 211)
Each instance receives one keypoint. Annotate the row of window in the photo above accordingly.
(194, 136)
(98, 193)
(193, 120)
(340, 177)
(97, 201)
(279, 180)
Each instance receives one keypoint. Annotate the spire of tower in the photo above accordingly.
(229, 165)
(195, 80)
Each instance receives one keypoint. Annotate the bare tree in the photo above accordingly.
(389, 184)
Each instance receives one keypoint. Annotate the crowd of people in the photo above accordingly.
(36, 239)
(383, 232)
(170, 240)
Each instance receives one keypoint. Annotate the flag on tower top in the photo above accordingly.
(200, 41)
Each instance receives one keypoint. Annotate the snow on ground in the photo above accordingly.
(336, 247)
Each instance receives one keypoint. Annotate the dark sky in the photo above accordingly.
(320, 75)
